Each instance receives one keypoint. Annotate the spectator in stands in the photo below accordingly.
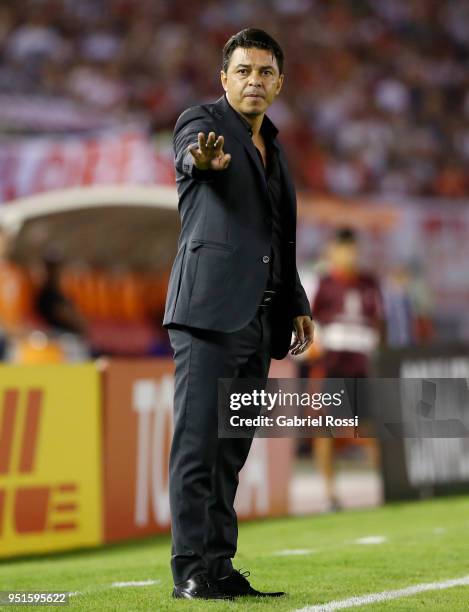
(373, 91)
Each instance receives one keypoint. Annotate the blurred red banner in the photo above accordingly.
(33, 165)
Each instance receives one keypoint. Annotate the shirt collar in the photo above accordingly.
(268, 128)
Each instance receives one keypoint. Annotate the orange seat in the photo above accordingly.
(16, 294)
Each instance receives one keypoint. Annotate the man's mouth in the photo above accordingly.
(252, 95)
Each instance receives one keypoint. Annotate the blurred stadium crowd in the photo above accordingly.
(376, 97)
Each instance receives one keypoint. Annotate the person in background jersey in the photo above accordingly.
(348, 308)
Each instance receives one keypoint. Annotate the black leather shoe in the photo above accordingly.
(198, 587)
(237, 585)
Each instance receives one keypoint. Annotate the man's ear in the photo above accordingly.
(223, 79)
(280, 83)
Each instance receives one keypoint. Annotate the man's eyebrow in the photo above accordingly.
(250, 66)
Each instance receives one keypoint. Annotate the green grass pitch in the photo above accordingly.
(423, 542)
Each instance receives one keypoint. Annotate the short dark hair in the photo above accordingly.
(346, 235)
(249, 38)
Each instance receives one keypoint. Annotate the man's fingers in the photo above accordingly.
(295, 342)
(210, 144)
(209, 150)
(308, 341)
(304, 334)
(301, 347)
(218, 145)
(296, 350)
(201, 140)
(194, 151)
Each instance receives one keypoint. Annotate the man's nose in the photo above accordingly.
(255, 79)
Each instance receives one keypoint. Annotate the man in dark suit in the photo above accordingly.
(234, 299)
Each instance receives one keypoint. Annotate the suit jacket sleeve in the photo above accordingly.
(301, 305)
(301, 302)
(189, 124)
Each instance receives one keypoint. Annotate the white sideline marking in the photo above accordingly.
(365, 600)
(439, 530)
(135, 583)
(294, 551)
(372, 540)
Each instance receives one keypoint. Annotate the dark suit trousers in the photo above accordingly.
(203, 469)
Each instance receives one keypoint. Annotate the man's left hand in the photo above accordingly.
(304, 334)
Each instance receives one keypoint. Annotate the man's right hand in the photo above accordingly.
(208, 153)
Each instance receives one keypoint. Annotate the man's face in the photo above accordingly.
(344, 256)
(252, 80)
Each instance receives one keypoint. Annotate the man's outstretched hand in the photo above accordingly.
(304, 334)
(208, 153)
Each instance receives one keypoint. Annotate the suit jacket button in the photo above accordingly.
(266, 259)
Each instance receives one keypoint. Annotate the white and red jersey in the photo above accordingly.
(349, 311)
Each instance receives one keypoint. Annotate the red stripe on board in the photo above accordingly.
(30, 431)
(69, 486)
(63, 507)
(7, 425)
(64, 526)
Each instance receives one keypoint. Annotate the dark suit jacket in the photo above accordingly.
(222, 264)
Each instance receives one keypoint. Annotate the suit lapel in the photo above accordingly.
(223, 110)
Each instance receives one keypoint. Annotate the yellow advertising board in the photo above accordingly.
(50, 458)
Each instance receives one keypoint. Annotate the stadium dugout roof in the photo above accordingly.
(137, 226)
(111, 226)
